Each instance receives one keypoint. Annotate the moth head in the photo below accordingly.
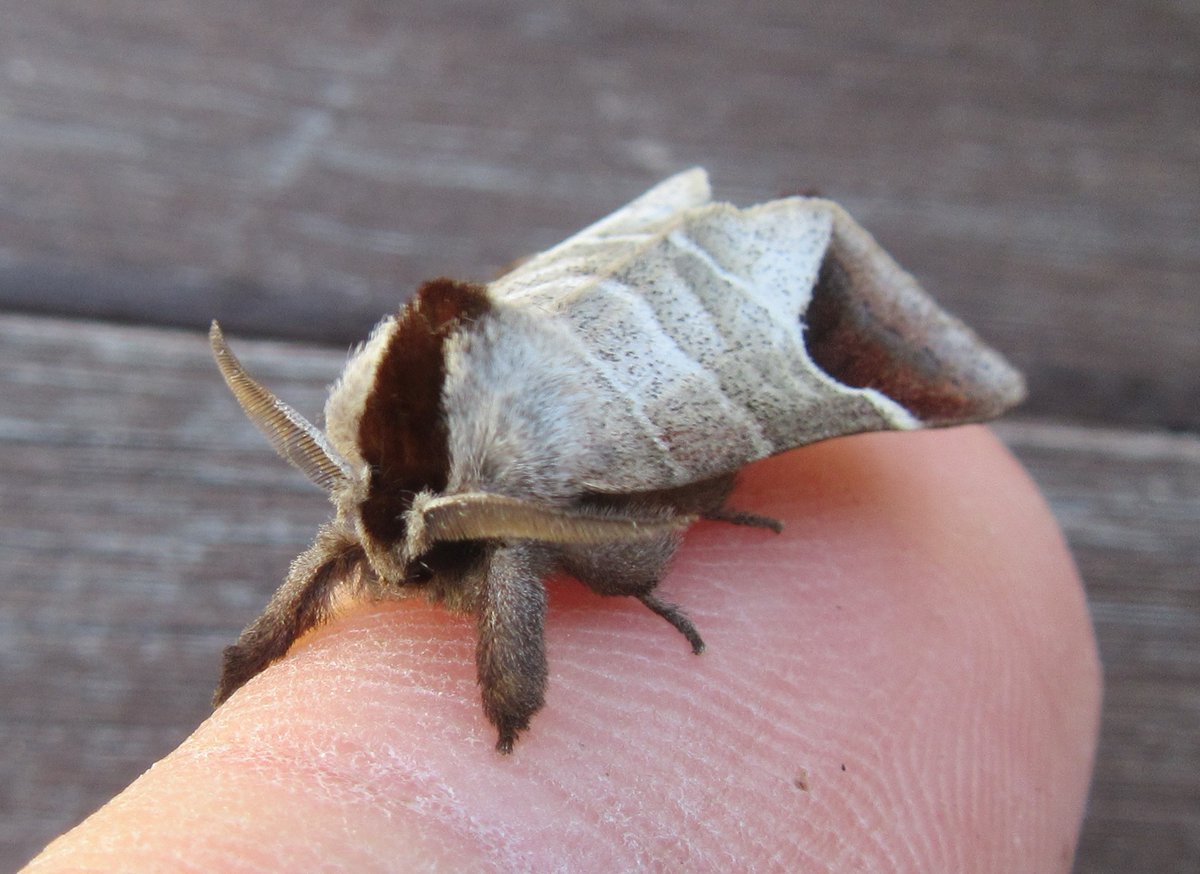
(344, 476)
(388, 484)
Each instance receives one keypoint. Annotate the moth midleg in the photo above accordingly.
(510, 657)
(632, 568)
(673, 614)
(303, 601)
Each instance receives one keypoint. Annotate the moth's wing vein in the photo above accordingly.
(607, 241)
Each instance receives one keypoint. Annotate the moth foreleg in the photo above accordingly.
(511, 654)
(303, 601)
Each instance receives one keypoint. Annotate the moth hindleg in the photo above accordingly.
(740, 517)
(510, 657)
(707, 499)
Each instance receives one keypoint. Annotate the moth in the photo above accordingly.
(579, 413)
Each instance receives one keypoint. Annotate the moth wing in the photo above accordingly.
(614, 238)
(693, 331)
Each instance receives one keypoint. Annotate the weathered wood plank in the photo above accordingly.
(129, 509)
(144, 522)
(1129, 503)
(296, 168)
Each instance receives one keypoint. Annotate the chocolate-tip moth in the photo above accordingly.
(578, 413)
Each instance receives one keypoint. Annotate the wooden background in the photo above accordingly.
(295, 167)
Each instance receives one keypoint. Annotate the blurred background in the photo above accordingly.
(296, 168)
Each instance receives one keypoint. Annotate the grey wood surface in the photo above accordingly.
(295, 168)
(1039, 162)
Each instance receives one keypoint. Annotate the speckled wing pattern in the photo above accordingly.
(688, 316)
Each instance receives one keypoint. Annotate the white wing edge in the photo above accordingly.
(683, 191)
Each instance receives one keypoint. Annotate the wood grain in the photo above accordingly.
(1036, 164)
(145, 522)
(1129, 503)
(140, 530)
(295, 168)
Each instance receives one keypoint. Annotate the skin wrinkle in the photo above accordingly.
(224, 813)
(630, 758)
(616, 772)
(396, 774)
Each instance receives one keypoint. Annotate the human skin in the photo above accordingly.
(904, 680)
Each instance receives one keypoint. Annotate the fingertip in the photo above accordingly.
(913, 651)
(954, 657)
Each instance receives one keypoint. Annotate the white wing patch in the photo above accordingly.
(687, 320)
(574, 261)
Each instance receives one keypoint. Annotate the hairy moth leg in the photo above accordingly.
(633, 568)
(303, 601)
(678, 619)
(740, 517)
(510, 657)
(708, 499)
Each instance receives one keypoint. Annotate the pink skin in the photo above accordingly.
(904, 680)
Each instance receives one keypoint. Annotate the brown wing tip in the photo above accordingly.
(869, 325)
